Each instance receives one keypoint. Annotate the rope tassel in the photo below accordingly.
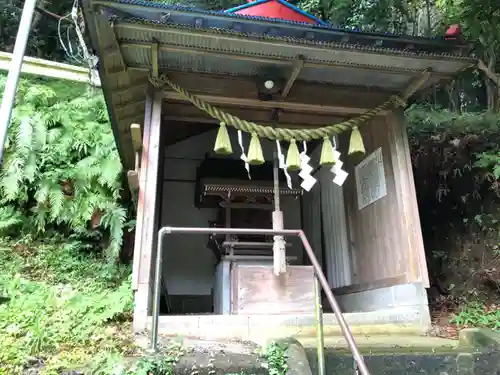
(255, 156)
(223, 142)
(327, 158)
(293, 157)
(356, 146)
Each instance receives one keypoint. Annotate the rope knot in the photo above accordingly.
(399, 101)
(157, 82)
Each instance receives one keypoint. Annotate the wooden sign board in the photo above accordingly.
(370, 179)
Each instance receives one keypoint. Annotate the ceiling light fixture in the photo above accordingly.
(269, 84)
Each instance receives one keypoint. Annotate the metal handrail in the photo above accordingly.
(346, 331)
(320, 334)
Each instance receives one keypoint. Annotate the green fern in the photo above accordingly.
(61, 166)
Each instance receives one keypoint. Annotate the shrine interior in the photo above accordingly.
(370, 257)
(201, 189)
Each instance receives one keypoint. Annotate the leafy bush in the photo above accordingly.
(276, 360)
(56, 301)
(478, 314)
(61, 169)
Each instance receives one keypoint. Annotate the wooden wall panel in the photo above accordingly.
(335, 238)
(411, 218)
(256, 290)
(384, 237)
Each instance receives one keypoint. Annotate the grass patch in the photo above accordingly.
(60, 308)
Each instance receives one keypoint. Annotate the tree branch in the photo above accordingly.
(491, 75)
(53, 15)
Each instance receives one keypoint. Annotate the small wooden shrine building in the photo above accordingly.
(178, 80)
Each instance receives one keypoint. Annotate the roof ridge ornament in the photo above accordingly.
(276, 9)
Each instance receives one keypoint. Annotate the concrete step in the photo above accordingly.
(476, 352)
(369, 344)
(412, 363)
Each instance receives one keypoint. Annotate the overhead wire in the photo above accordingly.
(68, 47)
(78, 53)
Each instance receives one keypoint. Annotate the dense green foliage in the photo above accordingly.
(58, 306)
(61, 170)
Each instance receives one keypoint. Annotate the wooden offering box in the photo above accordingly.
(256, 290)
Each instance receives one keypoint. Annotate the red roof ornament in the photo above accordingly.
(454, 32)
(279, 9)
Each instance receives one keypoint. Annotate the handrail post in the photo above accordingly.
(280, 232)
(346, 331)
(319, 328)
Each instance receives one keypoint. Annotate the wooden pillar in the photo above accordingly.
(142, 182)
(146, 232)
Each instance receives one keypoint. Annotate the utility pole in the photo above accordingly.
(10, 90)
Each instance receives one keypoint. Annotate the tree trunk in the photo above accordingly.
(492, 87)
(490, 95)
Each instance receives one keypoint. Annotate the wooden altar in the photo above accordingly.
(244, 278)
(284, 75)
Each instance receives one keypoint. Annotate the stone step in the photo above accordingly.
(476, 352)
(384, 343)
(413, 363)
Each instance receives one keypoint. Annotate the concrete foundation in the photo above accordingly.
(412, 296)
(259, 328)
(396, 309)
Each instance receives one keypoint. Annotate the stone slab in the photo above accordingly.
(259, 328)
(479, 338)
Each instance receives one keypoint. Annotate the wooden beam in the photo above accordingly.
(242, 92)
(133, 181)
(140, 85)
(297, 66)
(186, 112)
(128, 109)
(52, 69)
(270, 104)
(208, 121)
(135, 117)
(154, 59)
(135, 132)
(303, 93)
(268, 60)
(416, 84)
(246, 206)
(116, 46)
